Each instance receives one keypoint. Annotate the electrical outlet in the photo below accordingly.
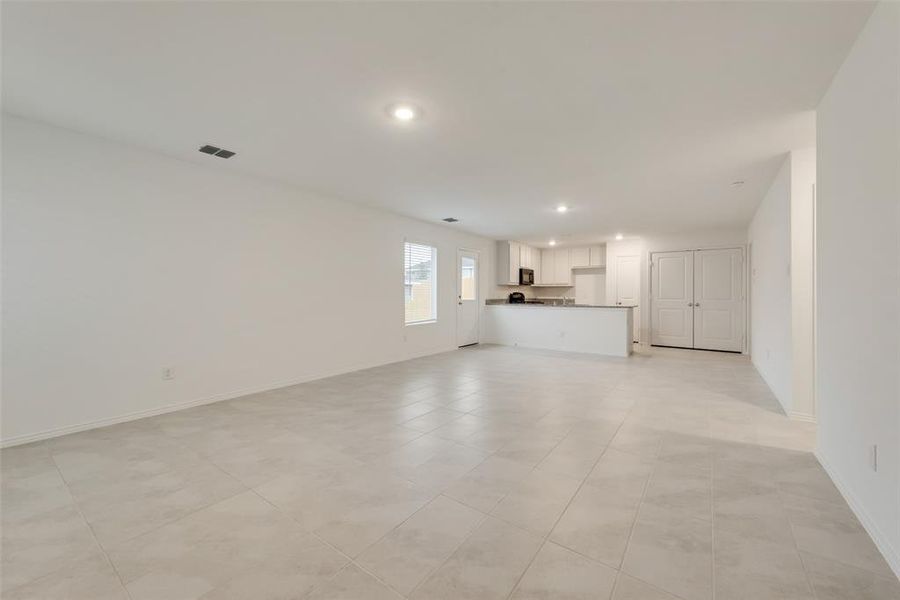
(873, 457)
(168, 373)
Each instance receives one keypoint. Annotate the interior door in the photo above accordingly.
(467, 298)
(719, 299)
(672, 299)
(628, 289)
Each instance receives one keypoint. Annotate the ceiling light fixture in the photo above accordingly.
(737, 183)
(552, 242)
(619, 236)
(562, 208)
(403, 112)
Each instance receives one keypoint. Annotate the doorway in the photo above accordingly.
(628, 288)
(697, 299)
(467, 298)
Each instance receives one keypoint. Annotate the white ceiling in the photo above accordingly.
(637, 115)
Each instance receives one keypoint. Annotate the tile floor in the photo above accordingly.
(484, 473)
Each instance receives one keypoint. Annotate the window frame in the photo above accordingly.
(434, 279)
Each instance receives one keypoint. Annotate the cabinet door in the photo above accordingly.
(527, 260)
(536, 264)
(562, 268)
(548, 269)
(515, 260)
(598, 256)
(581, 257)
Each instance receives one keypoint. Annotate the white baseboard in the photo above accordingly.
(161, 410)
(801, 416)
(890, 554)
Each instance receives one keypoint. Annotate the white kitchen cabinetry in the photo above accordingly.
(508, 261)
(511, 256)
(547, 267)
(562, 266)
(597, 256)
(581, 257)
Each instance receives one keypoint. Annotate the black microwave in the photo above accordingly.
(526, 276)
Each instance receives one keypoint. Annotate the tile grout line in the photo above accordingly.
(77, 506)
(562, 513)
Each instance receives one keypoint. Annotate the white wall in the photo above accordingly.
(858, 278)
(118, 262)
(770, 287)
(803, 266)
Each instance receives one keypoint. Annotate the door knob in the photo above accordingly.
(690, 303)
(697, 305)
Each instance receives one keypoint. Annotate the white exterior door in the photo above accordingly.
(672, 299)
(467, 298)
(628, 289)
(719, 299)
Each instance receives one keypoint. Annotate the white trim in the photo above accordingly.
(802, 416)
(161, 410)
(890, 554)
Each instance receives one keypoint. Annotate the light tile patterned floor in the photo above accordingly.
(484, 473)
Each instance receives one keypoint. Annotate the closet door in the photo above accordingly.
(718, 300)
(672, 299)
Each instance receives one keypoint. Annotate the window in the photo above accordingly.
(420, 282)
(467, 278)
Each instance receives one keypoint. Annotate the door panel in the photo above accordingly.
(628, 289)
(562, 267)
(718, 299)
(467, 298)
(671, 293)
(548, 269)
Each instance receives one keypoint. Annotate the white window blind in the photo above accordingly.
(420, 282)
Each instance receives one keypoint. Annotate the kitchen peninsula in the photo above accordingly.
(592, 329)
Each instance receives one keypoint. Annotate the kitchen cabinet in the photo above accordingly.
(581, 257)
(562, 266)
(597, 256)
(508, 261)
(511, 256)
(547, 267)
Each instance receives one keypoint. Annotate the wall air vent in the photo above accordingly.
(451, 220)
(215, 151)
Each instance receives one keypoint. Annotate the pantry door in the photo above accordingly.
(719, 299)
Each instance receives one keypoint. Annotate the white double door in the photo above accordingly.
(697, 299)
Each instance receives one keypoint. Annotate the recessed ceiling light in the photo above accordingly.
(562, 208)
(403, 112)
(552, 242)
(737, 183)
(619, 236)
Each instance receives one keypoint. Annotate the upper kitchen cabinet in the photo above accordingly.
(562, 266)
(511, 256)
(581, 257)
(584, 258)
(547, 267)
(508, 262)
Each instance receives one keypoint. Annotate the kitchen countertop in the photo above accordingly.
(505, 302)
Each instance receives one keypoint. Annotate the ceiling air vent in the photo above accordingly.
(215, 151)
(451, 220)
